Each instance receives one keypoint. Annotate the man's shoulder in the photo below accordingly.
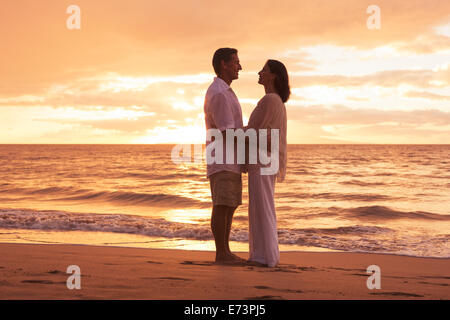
(215, 88)
(214, 92)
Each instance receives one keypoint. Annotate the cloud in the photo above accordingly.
(425, 44)
(110, 92)
(154, 57)
(160, 38)
(306, 124)
(136, 125)
(341, 124)
(426, 95)
(388, 78)
(335, 115)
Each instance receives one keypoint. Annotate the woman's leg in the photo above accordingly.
(269, 221)
(263, 237)
(254, 237)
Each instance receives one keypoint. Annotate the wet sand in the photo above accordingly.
(37, 271)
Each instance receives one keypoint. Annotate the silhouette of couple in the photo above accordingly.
(223, 111)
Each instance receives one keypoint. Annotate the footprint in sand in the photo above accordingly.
(436, 284)
(167, 278)
(281, 290)
(198, 263)
(5, 283)
(295, 267)
(174, 278)
(404, 294)
(61, 273)
(282, 268)
(278, 270)
(55, 272)
(435, 277)
(345, 269)
(307, 268)
(265, 298)
(38, 281)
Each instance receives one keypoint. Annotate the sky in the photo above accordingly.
(137, 71)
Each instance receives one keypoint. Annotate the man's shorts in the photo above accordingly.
(226, 188)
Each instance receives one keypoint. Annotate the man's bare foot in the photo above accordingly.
(229, 259)
(237, 258)
(228, 262)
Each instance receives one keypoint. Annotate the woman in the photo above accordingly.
(270, 113)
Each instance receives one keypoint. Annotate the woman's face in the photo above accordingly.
(265, 76)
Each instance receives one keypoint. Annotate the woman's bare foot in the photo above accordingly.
(256, 263)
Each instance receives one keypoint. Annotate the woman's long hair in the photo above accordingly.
(281, 82)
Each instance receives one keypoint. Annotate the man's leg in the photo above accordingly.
(219, 228)
(229, 221)
(226, 185)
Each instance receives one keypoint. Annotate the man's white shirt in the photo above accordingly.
(222, 111)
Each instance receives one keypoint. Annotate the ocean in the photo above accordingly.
(390, 199)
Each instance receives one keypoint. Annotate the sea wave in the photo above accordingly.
(172, 176)
(364, 197)
(356, 238)
(362, 183)
(350, 230)
(367, 213)
(122, 223)
(385, 213)
(117, 197)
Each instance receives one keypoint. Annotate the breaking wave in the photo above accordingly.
(357, 238)
(119, 197)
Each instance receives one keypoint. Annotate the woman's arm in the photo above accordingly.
(263, 115)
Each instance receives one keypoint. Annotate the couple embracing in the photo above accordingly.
(222, 112)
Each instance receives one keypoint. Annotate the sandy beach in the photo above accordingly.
(32, 271)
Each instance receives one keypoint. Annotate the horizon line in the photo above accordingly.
(154, 144)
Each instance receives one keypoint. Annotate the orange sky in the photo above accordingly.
(137, 71)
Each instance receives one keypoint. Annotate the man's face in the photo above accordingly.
(232, 67)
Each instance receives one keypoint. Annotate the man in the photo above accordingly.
(223, 111)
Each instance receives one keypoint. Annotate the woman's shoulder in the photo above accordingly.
(271, 98)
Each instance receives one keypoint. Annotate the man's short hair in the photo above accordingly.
(222, 54)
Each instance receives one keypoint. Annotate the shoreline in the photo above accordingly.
(325, 250)
(38, 271)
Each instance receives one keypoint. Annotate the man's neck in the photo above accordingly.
(227, 80)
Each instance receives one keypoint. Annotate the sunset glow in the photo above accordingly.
(138, 72)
